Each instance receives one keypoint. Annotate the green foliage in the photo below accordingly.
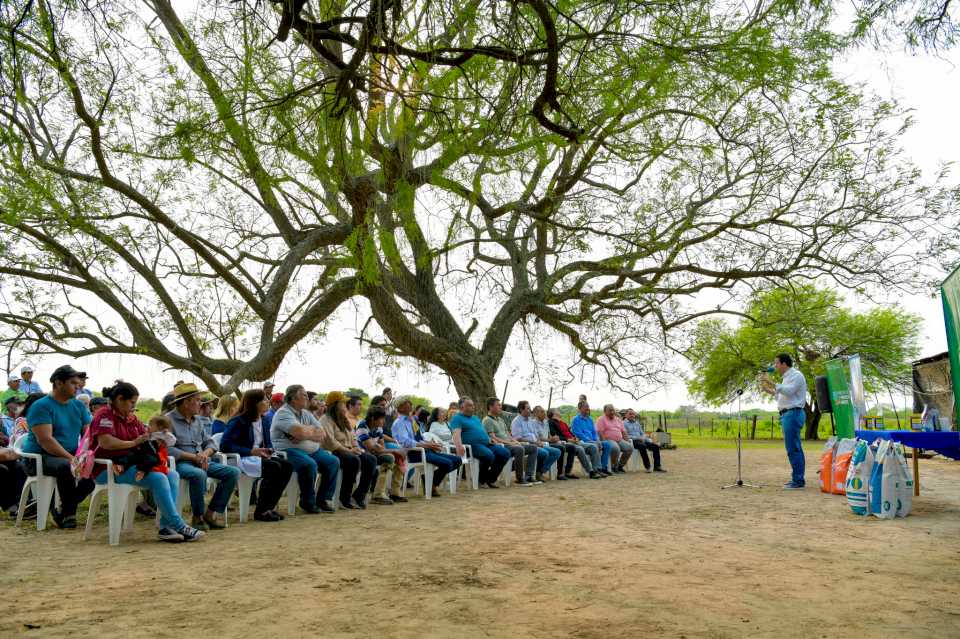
(811, 325)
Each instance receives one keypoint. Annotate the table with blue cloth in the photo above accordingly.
(944, 442)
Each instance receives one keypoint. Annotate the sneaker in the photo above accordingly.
(435, 492)
(648, 470)
(596, 475)
(266, 516)
(605, 472)
(348, 504)
(143, 508)
(659, 470)
(360, 503)
(398, 499)
(383, 501)
(572, 476)
(190, 534)
(310, 509)
(491, 484)
(538, 479)
(524, 482)
(561, 478)
(169, 535)
(793, 486)
(199, 523)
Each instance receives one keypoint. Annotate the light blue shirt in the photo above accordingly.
(582, 427)
(792, 392)
(403, 432)
(8, 423)
(524, 429)
(29, 387)
(635, 430)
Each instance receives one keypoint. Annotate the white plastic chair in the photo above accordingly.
(507, 473)
(293, 487)
(244, 485)
(421, 467)
(470, 465)
(635, 459)
(121, 505)
(43, 487)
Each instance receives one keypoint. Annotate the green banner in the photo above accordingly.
(950, 295)
(843, 410)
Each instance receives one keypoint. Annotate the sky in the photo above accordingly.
(927, 84)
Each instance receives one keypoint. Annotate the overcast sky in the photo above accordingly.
(929, 85)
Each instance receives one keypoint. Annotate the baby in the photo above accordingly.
(151, 455)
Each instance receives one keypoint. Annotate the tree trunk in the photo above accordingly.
(475, 383)
(813, 414)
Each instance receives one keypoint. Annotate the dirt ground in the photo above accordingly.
(666, 555)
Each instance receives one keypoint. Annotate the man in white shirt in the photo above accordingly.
(791, 396)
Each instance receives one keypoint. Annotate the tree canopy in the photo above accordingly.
(475, 177)
(812, 325)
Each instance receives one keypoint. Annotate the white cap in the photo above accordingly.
(26, 369)
(13, 377)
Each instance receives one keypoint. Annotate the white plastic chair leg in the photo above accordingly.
(245, 488)
(115, 509)
(95, 500)
(336, 491)
(293, 494)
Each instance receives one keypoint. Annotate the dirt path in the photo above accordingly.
(637, 555)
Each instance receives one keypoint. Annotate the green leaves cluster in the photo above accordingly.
(813, 325)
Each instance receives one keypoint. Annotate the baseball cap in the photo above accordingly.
(13, 377)
(13, 399)
(276, 397)
(65, 372)
(26, 369)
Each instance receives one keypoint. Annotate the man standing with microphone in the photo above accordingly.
(791, 396)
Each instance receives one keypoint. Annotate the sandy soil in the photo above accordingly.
(660, 555)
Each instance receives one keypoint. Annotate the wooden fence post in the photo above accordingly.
(753, 428)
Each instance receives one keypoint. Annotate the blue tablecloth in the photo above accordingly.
(945, 443)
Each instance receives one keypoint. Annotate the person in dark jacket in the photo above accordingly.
(246, 435)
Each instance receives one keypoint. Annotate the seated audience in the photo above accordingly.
(246, 436)
(467, 429)
(55, 423)
(297, 433)
(392, 463)
(610, 428)
(587, 452)
(226, 409)
(12, 478)
(192, 452)
(407, 434)
(11, 411)
(583, 428)
(27, 385)
(524, 453)
(342, 442)
(118, 433)
(437, 424)
(13, 389)
(567, 451)
(642, 442)
(524, 429)
(354, 409)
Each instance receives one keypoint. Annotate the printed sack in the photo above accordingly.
(883, 482)
(826, 465)
(858, 479)
(905, 483)
(841, 463)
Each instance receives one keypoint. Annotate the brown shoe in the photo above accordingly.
(213, 520)
(435, 492)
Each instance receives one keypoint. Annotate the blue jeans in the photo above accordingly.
(306, 466)
(792, 423)
(227, 477)
(605, 446)
(491, 460)
(546, 457)
(162, 487)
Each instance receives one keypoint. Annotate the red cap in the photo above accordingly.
(276, 397)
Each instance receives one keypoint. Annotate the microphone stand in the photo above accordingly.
(740, 483)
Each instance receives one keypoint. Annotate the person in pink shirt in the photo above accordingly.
(610, 428)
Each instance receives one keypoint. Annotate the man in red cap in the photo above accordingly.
(276, 401)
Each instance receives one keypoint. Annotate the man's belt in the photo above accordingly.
(789, 409)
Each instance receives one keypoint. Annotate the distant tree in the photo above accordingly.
(811, 324)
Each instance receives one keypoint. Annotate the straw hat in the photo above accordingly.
(184, 391)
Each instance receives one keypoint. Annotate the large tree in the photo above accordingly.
(207, 191)
(813, 326)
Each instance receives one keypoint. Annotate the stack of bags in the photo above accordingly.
(876, 479)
